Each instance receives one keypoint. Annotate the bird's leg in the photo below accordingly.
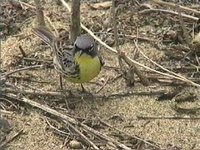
(82, 88)
(88, 94)
(62, 88)
(63, 92)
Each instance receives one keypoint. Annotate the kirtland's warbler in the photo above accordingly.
(80, 63)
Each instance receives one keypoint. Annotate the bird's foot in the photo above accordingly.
(84, 91)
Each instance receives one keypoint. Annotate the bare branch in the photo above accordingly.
(70, 120)
(75, 20)
(172, 5)
(147, 11)
(39, 13)
(185, 33)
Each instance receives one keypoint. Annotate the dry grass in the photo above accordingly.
(182, 133)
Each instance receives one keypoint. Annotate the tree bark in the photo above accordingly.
(39, 13)
(1, 80)
(75, 20)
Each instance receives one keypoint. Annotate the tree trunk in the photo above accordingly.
(1, 81)
(75, 20)
(39, 13)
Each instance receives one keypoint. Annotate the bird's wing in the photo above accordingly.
(64, 59)
(63, 55)
(44, 34)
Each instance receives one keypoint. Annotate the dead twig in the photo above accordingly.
(105, 137)
(38, 60)
(54, 128)
(165, 80)
(127, 72)
(43, 107)
(174, 75)
(39, 13)
(69, 119)
(97, 91)
(22, 51)
(167, 117)
(143, 79)
(75, 20)
(100, 6)
(8, 101)
(135, 137)
(147, 11)
(22, 78)
(116, 32)
(26, 4)
(17, 90)
(5, 112)
(182, 24)
(11, 138)
(131, 37)
(34, 92)
(179, 109)
(87, 140)
(22, 69)
(172, 5)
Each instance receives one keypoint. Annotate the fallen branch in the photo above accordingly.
(132, 136)
(38, 60)
(56, 129)
(131, 37)
(5, 112)
(2, 146)
(21, 69)
(167, 117)
(70, 120)
(174, 75)
(183, 26)
(79, 96)
(34, 92)
(82, 135)
(172, 5)
(22, 51)
(39, 13)
(147, 11)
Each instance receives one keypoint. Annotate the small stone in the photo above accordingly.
(75, 144)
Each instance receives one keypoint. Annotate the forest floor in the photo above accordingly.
(163, 115)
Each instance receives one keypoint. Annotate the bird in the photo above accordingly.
(79, 62)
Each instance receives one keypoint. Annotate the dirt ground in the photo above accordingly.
(113, 102)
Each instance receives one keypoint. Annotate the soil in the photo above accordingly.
(113, 101)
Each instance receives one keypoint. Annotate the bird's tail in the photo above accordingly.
(44, 34)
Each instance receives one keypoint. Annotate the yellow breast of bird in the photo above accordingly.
(89, 67)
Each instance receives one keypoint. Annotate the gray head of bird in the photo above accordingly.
(85, 44)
